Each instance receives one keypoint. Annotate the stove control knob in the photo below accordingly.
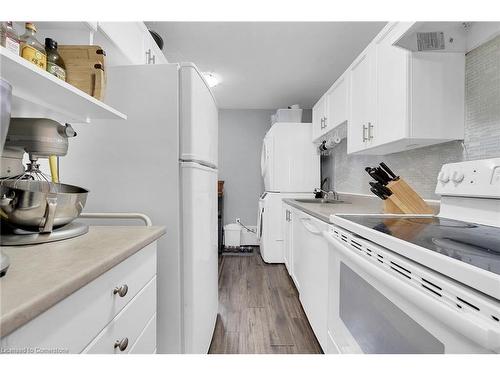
(457, 177)
(443, 177)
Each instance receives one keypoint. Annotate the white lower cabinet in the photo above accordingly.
(146, 343)
(127, 326)
(310, 258)
(108, 315)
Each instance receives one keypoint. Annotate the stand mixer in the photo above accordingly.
(34, 207)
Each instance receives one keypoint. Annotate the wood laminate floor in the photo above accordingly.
(259, 310)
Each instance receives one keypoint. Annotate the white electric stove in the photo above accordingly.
(437, 276)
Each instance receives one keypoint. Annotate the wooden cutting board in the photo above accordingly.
(85, 68)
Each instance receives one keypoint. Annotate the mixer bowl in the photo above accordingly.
(40, 206)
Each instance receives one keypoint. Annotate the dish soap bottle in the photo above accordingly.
(31, 49)
(9, 38)
(55, 63)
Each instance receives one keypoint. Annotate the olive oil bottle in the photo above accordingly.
(31, 49)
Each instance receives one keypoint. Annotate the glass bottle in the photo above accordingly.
(31, 49)
(9, 38)
(55, 63)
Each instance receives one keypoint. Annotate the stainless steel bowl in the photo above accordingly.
(40, 206)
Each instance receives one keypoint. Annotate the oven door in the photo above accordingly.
(372, 311)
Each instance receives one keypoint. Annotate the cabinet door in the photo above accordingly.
(392, 65)
(318, 114)
(151, 52)
(296, 250)
(313, 275)
(362, 95)
(337, 104)
(126, 41)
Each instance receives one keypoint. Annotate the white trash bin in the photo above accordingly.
(232, 235)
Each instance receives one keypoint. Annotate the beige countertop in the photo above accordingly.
(40, 276)
(354, 204)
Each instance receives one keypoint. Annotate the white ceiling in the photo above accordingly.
(268, 65)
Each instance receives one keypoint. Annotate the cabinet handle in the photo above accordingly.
(326, 122)
(322, 119)
(364, 133)
(121, 290)
(370, 128)
(150, 59)
(121, 344)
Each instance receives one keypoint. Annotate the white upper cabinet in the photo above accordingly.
(318, 117)
(337, 98)
(332, 109)
(362, 109)
(128, 43)
(125, 43)
(400, 100)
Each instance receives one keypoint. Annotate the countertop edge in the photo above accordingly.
(25, 313)
(298, 206)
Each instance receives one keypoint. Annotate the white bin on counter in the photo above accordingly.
(232, 235)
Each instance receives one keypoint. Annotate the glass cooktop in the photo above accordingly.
(475, 244)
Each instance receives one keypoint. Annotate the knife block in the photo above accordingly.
(404, 200)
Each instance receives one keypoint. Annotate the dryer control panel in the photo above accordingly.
(476, 178)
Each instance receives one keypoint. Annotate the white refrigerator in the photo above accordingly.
(290, 166)
(161, 161)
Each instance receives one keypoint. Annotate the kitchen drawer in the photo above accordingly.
(128, 324)
(73, 323)
(146, 343)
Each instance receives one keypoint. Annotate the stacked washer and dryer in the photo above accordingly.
(290, 166)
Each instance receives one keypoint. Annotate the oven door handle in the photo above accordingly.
(466, 323)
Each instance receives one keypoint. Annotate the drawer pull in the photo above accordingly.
(121, 290)
(121, 344)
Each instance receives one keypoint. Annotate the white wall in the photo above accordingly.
(241, 132)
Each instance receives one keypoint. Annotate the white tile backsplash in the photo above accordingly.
(421, 166)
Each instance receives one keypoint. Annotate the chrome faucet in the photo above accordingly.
(326, 195)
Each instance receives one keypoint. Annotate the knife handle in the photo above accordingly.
(388, 170)
(376, 192)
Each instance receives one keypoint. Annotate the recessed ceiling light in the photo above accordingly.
(211, 78)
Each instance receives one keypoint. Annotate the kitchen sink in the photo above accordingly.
(322, 201)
